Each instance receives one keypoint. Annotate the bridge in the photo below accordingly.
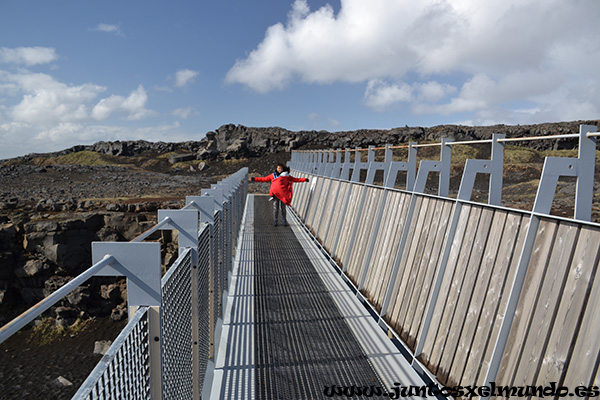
(370, 287)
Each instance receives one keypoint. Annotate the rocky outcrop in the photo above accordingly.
(237, 141)
(39, 256)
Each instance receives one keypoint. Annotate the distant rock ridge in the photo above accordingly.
(238, 141)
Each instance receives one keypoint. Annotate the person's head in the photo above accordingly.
(281, 168)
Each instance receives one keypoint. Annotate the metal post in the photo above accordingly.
(445, 166)
(439, 276)
(206, 208)
(585, 180)
(493, 167)
(496, 175)
(345, 172)
(372, 240)
(140, 263)
(375, 166)
(355, 226)
(399, 254)
(409, 166)
(186, 223)
(338, 165)
(357, 166)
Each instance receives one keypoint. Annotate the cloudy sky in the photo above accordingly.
(76, 72)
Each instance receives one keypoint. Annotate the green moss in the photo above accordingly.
(186, 164)
(88, 158)
(235, 161)
(47, 332)
(560, 153)
(461, 153)
(166, 155)
(521, 155)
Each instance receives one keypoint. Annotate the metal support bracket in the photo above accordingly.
(442, 166)
(346, 166)
(205, 206)
(375, 166)
(186, 223)
(581, 167)
(217, 195)
(494, 167)
(360, 165)
(409, 166)
(139, 262)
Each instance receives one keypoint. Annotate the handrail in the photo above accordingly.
(32, 313)
(464, 142)
(150, 231)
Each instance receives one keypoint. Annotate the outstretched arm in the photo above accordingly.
(298, 179)
(267, 178)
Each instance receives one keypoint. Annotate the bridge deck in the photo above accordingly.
(292, 327)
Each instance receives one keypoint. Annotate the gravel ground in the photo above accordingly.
(29, 370)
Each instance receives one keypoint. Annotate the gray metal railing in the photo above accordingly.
(164, 350)
(476, 292)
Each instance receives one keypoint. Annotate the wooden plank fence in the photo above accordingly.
(475, 292)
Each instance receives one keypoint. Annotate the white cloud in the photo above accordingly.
(379, 95)
(318, 119)
(134, 106)
(39, 113)
(47, 101)
(184, 77)
(108, 28)
(27, 56)
(182, 113)
(485, 56)
(434, 91)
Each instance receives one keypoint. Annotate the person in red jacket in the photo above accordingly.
(280, 191)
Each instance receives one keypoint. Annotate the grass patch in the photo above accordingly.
(523, 190)
(521, 155)
(152, 163)
(43, 161)
(88, 158)
(560, 153)
(235, 161)
(187, 164)
(462, 153)
(47, 332)
(166, 156)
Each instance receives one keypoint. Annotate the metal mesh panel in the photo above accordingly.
(176, 317)
(226, 251)
(203, 273)
(124, 371)
(217, 267)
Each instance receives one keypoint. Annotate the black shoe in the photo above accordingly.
(275, 223)
(285, 223)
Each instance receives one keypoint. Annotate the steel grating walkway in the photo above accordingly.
(292, 327)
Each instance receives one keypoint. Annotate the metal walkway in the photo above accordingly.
(292, 327)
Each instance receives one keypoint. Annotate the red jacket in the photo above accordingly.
(281, 185)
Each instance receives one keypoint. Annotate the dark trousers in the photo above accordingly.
(278, 205)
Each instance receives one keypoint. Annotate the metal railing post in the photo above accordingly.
(445, 166)
(186, 224)
(338, 165)
(494, 167)
(141, 264)
(345, 172)
(357, 166)
(410, 166)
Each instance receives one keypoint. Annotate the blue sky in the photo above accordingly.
(76, 72)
